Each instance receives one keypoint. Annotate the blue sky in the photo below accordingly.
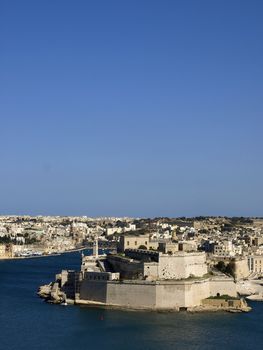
(131, 108)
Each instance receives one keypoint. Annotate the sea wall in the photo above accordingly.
(222, 286)
(132, 295)
(93, 290)
(154, 295)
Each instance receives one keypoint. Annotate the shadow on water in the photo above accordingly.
(26, 322)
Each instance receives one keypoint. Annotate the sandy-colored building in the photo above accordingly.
(133, 242)
(6, 250)
(255, 264)
(2, 250)
(168, 247)
(151, 280)
(154, 280)
(146, 279)
(241, 269)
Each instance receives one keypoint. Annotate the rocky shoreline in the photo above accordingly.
(51, 293)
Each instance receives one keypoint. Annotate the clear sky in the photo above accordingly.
(131, 107)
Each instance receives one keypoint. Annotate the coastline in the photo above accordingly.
(47, 255)
(75, 320)
(196, 309)
(28, 257)
(44, 255)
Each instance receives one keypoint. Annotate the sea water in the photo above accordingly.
(27, 322)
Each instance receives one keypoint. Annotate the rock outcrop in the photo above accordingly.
(52, 293)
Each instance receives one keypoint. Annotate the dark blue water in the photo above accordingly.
(26, 322)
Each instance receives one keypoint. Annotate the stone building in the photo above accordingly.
(146, 279)
(241, 269)
(133, 242)
(6, 251)
(255, 264)
(2, 250)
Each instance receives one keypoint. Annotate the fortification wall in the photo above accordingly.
(223, 286)
(160, 295)
(155, 295)
(133, 295)
(128, 269)
(93, 291)
(219, 303)
(181, 266)
(196, 292)
(241, 269)
(170, 296)
(150, 269)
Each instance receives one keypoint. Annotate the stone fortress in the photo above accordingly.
(141, 276)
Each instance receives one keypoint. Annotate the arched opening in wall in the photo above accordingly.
(218, 294)
(182, 308)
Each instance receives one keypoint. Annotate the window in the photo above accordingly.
(128, 243)
(135, 242)
(145, 242)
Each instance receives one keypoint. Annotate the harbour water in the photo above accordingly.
(26, 322)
